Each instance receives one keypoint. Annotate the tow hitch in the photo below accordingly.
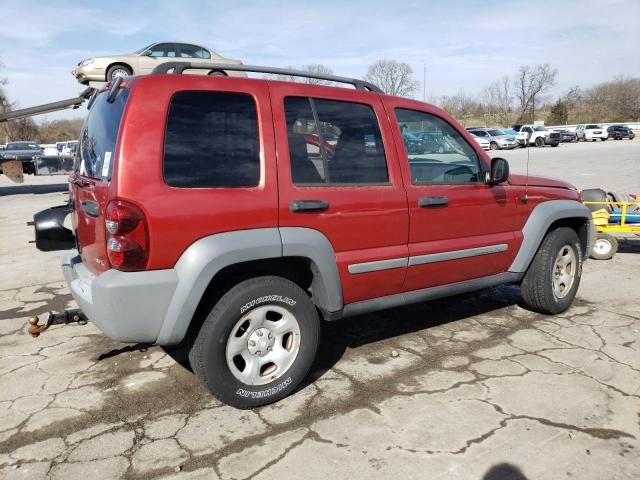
(66, 317)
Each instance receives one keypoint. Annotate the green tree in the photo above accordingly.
(559, 113)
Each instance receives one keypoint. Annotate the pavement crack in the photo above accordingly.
(271, 463)
(600, 433)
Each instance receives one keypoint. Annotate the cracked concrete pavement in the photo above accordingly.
(480, 389)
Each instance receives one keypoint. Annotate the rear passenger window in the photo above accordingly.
(334, 142)
(211, 140)
(436, 152)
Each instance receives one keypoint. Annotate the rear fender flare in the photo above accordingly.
(200, 263)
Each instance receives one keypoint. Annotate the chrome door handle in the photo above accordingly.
(428, 202)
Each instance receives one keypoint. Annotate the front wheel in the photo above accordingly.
(605, 246)
(258, 342)
(494, 146)
(604, 139)
(552, 280)
(539, 142)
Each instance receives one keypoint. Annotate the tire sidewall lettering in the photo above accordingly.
(264, 393)
(266, 299)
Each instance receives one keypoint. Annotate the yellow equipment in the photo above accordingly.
(612, 217)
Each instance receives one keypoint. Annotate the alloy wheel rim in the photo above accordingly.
(119, 72)
(601, 246)
(564, 271)
(263, 345)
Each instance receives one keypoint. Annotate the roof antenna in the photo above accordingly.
(525, 197)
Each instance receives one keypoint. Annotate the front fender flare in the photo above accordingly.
(540, 219)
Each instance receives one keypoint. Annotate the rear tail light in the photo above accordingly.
(127, 236)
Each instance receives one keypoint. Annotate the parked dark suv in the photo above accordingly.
(241, 212)
(618, 132)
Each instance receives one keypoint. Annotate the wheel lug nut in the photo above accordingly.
(258, 352)
(252, 343)
(259, 333)
(270, 336)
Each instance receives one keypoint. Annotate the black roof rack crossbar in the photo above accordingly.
(47, 107)
(180, 67)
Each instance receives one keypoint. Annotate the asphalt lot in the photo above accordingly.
(479, 389)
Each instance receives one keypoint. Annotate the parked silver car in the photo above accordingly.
(105, 69)
(497, 140)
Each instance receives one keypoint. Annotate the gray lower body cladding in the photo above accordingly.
(126, 306)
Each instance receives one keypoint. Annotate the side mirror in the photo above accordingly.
(499, 171)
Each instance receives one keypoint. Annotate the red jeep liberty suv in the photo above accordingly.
(240, 212)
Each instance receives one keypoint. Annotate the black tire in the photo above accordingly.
(208, 355)
(494, 146)
(217, 73)
(538, 291)
(539, 142)
(555, 144)
(604, 139)
(118, 71)
(605, 246)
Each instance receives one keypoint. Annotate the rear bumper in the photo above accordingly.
(126, 306)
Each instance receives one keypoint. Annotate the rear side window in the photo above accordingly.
(193, 51)
(99, 135)
(211, 140)
(334, 142)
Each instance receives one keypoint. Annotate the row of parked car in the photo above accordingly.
(36, 158)
(539, 135)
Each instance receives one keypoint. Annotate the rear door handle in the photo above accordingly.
(428, 202)
(308, 205)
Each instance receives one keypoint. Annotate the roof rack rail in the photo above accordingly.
(180, 67)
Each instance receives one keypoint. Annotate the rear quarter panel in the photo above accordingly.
(177, 217)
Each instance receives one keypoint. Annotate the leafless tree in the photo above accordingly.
(462, 106)
(313, 68)
(497, 99)
(531, 84)
(394, 78)
(59, 130)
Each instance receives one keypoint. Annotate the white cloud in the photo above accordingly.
(464, 44)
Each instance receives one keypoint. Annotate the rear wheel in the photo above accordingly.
(257, 343)
(605, 246)
(216, 73)
(494, 146)
(552, 280)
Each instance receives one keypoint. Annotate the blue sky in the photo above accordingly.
(464, 44)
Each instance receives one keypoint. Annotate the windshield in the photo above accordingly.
(22, 146)
(538, 128)
(138, 52)
(494, 133)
